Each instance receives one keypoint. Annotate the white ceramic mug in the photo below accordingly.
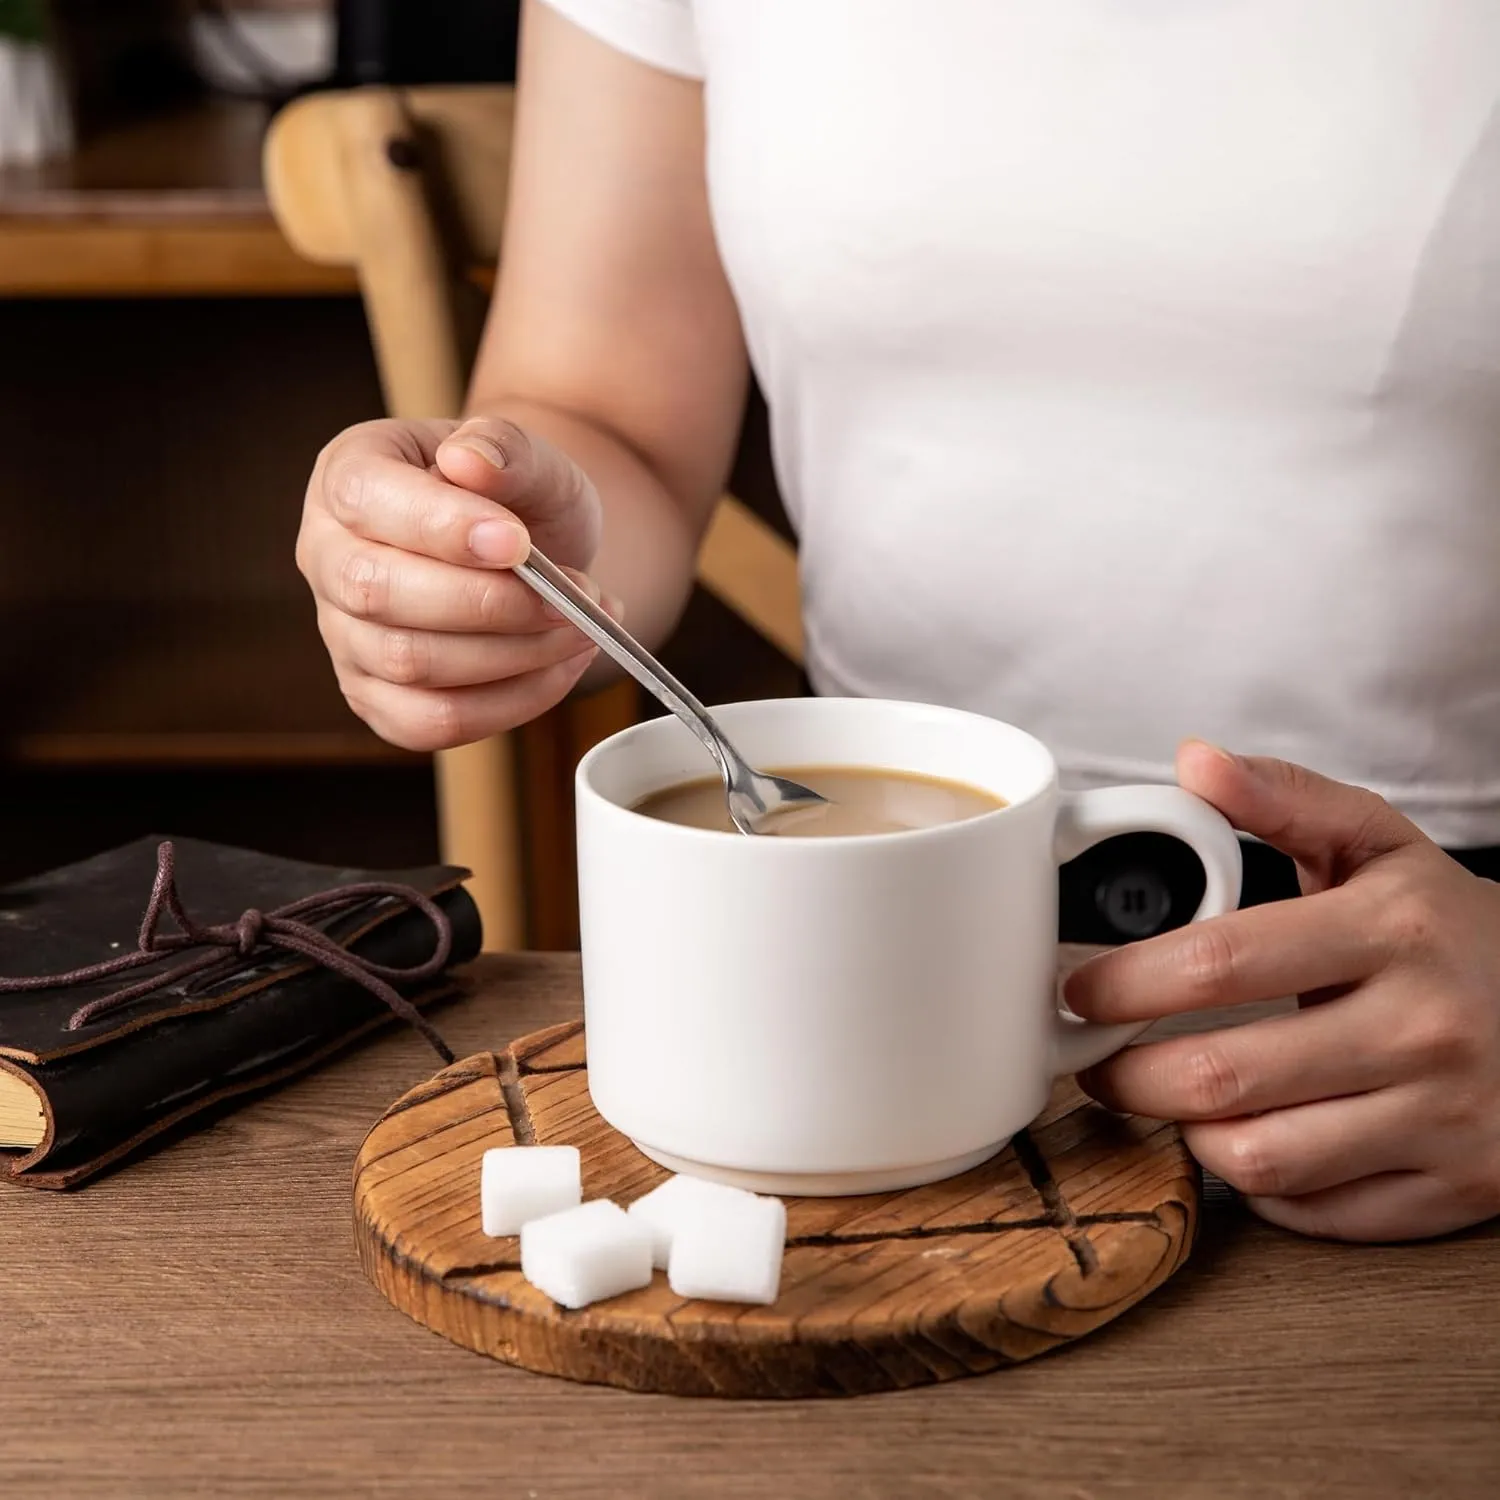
(843, 1015)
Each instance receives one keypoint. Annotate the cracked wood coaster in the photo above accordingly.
(1078, 1219)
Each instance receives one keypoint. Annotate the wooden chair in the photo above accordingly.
(409, 187)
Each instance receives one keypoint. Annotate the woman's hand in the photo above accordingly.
(408, 532)
(1373, 1113)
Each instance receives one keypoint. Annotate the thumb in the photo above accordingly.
(488, 457)
(1330, 828)
(535, 481)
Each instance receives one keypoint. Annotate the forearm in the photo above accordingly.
(650, 539)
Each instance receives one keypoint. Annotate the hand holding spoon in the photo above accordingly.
(754, 797)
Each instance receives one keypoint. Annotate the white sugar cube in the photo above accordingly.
(519, 1183)
(729, 1251)
(667, 1206)
(586, 1253)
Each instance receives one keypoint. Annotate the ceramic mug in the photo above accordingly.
(843, 1015)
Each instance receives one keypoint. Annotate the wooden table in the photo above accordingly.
(171, 206)
(197, 1324)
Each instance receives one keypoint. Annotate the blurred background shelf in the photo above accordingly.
(175, 683)
(169, 206)
(169, 368)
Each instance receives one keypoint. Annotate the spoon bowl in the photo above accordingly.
(755, 798)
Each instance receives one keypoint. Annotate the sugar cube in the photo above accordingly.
(664, 1208)
(729, 1251)
(586, 1253)
(518, 1183)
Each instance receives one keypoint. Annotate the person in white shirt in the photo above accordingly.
(1173, 333)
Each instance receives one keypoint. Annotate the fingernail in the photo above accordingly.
(502, 543)
(478, 442)
(1219, 750)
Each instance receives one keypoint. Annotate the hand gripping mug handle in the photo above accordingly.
(1087, 818)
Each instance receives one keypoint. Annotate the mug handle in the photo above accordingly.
(1087, 818)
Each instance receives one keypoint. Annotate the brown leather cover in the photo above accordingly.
(126, 1078)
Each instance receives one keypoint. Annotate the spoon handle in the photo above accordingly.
(574, 605)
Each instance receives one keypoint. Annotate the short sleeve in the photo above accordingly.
(659, 32)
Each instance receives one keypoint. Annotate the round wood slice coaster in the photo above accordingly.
(1078, 1219)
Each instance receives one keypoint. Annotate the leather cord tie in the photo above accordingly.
(290, 928)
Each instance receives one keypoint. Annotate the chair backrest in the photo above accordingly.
(409, 187)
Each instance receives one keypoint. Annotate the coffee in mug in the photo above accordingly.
(861, 800)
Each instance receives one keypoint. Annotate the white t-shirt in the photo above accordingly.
(1134, 365)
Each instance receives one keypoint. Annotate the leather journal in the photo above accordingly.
(245, 970)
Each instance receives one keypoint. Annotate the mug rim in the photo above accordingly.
(618, 743)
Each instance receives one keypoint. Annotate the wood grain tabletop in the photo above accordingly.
(167, 206)
(197, 1324)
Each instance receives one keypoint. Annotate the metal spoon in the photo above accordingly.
(754, 797)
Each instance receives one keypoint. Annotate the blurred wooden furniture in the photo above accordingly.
(409, 188)
(168, 206)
